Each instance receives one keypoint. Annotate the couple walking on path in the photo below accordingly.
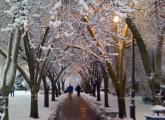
(75, 109)
(70, 90)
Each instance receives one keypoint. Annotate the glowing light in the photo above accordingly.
(116, 19)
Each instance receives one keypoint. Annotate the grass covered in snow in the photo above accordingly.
(19, 106)
(141, 108)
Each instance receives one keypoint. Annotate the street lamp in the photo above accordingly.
(116, 48)
(132, 105)
(116, 19)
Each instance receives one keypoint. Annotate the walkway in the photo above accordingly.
(75, 109)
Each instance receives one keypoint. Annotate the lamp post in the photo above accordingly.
(116, 48)
(132, 105)
(116, 19)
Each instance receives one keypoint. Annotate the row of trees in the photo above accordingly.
(78, 32)
(102, 48)
(34, 53)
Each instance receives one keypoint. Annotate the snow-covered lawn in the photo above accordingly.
(141, 108)
(19, 106)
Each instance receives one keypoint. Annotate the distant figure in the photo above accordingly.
(12, 91)
(78, 89)
(163, 95)
(70, 91)
(25, 89)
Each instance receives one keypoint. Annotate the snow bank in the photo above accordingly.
(19, 106)
(141, 108)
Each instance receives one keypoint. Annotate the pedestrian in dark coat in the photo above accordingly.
(12, 91)
(70, 91)
(78, 89)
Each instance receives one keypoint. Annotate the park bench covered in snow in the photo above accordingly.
(114, 114)
(158, 113)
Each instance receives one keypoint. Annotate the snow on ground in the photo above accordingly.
(19, 106)
(141, 108)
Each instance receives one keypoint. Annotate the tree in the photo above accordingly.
(36, 66)
(85, 80)
(54, 72)
(97, 75)
(17, 27)
(151, 44)
(106, 79)
(46, 91)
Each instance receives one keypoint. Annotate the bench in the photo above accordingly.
(155, 117)
(113, 114)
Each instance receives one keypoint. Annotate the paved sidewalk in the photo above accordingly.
(75, 109)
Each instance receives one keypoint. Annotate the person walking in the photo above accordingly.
(78, 89)
(12, 91)
(70, 91)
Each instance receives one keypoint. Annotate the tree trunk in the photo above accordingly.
(53, 92)
(46, 92)
(46, 97)
(141, 45)
(63, 86)
(155, 87)
(94, 90)
(106, 77)
(59, 88)
(6, 102)
(121, 104)
(34, 105)
(106, 104)
(56, 91)
(98, 93)
(91, 86)
(9, 72)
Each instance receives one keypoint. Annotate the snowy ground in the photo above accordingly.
(19, 106)
(141, 108)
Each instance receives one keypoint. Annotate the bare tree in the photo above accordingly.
(17, 27)
(151, 53)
